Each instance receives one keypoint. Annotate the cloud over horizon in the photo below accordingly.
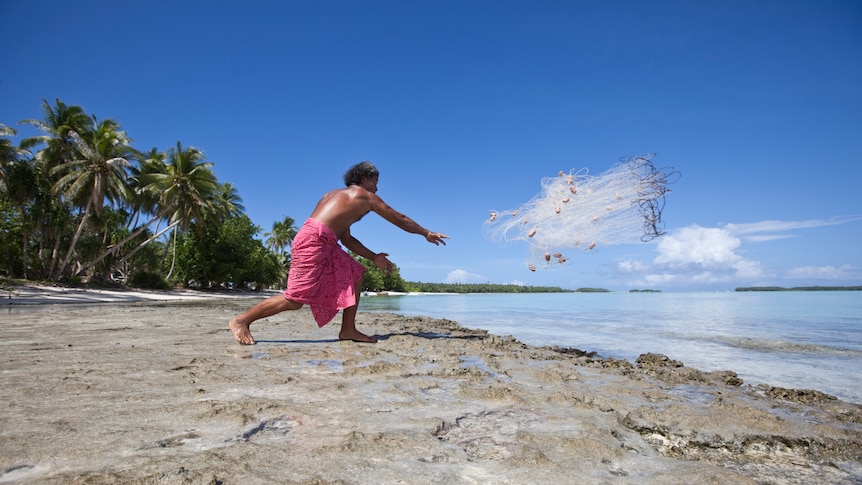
(705, 255)
(463, 276)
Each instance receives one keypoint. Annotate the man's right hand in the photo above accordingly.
(436, 238)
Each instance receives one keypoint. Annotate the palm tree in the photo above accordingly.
(142, 199)
(279, 240)
(281, 236)
(18, 181)
(9, 153)
(58, 148)
(58, 122)
(229, 203)
(21, 189)
(188, 190)
(97, 176)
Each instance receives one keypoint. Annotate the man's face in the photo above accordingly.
(370, 184)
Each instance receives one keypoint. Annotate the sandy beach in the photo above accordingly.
(113, 387)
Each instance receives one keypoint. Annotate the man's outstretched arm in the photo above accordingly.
(379, 259)
(404, 222)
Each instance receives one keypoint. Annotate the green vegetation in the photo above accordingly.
(225, 251)
(644, 291)
(376, 280)
(80, 204)
(802, 288)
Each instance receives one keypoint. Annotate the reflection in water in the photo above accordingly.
(380, 303)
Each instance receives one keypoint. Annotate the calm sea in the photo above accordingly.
(801, 340)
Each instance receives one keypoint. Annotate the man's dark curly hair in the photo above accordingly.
(359, 171)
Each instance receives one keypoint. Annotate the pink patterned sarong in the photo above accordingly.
(322, 275)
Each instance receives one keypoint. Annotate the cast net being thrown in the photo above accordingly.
(577, 212)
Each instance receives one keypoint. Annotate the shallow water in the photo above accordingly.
(804, 340)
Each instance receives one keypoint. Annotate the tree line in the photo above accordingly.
(801, 288)
(79, 203)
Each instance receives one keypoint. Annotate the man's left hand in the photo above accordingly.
(382, 262)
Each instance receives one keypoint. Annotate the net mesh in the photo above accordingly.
(576, 212)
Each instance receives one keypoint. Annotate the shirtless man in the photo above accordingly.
(322, 274)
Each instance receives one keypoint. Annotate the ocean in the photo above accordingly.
(798, 340)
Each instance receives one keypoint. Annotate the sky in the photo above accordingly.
(464, 106)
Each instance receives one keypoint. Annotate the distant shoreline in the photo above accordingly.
(33, 294)
(801, 288)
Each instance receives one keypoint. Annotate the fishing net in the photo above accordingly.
(577, 212)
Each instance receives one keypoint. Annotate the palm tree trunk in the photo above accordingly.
(141, 246)
(55, 254)
(74, 241)
(24, 257)
(174, 259)
(116, 247)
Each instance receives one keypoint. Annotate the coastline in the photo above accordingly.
(32, 294)
(151, 387)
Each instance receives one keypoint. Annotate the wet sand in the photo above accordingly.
(139, 391)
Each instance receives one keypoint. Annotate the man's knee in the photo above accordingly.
(289, 304)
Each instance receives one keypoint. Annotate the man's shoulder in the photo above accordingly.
(361, 193)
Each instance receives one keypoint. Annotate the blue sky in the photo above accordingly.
(466, 106)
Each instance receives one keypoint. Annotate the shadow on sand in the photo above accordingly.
(426, 335)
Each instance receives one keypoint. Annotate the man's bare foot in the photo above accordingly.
(241, 332)
(356, 336)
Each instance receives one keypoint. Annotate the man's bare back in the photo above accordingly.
(340, 208)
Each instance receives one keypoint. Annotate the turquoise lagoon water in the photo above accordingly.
(801, 340)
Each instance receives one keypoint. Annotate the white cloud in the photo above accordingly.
(766, 230)
(631, 266)
(843, 272)
(746, 268)
(699, 246)
(694, 255)
(767, 237)
(702, 256)
(659, 279)
(462, 276)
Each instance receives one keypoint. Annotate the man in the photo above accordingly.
(322, 274)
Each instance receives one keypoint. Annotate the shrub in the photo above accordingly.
(148, 280)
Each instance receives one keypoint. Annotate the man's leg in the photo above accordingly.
(348, 324)
(267, 308)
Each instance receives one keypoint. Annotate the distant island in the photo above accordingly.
(420, 287)
(801, 288)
